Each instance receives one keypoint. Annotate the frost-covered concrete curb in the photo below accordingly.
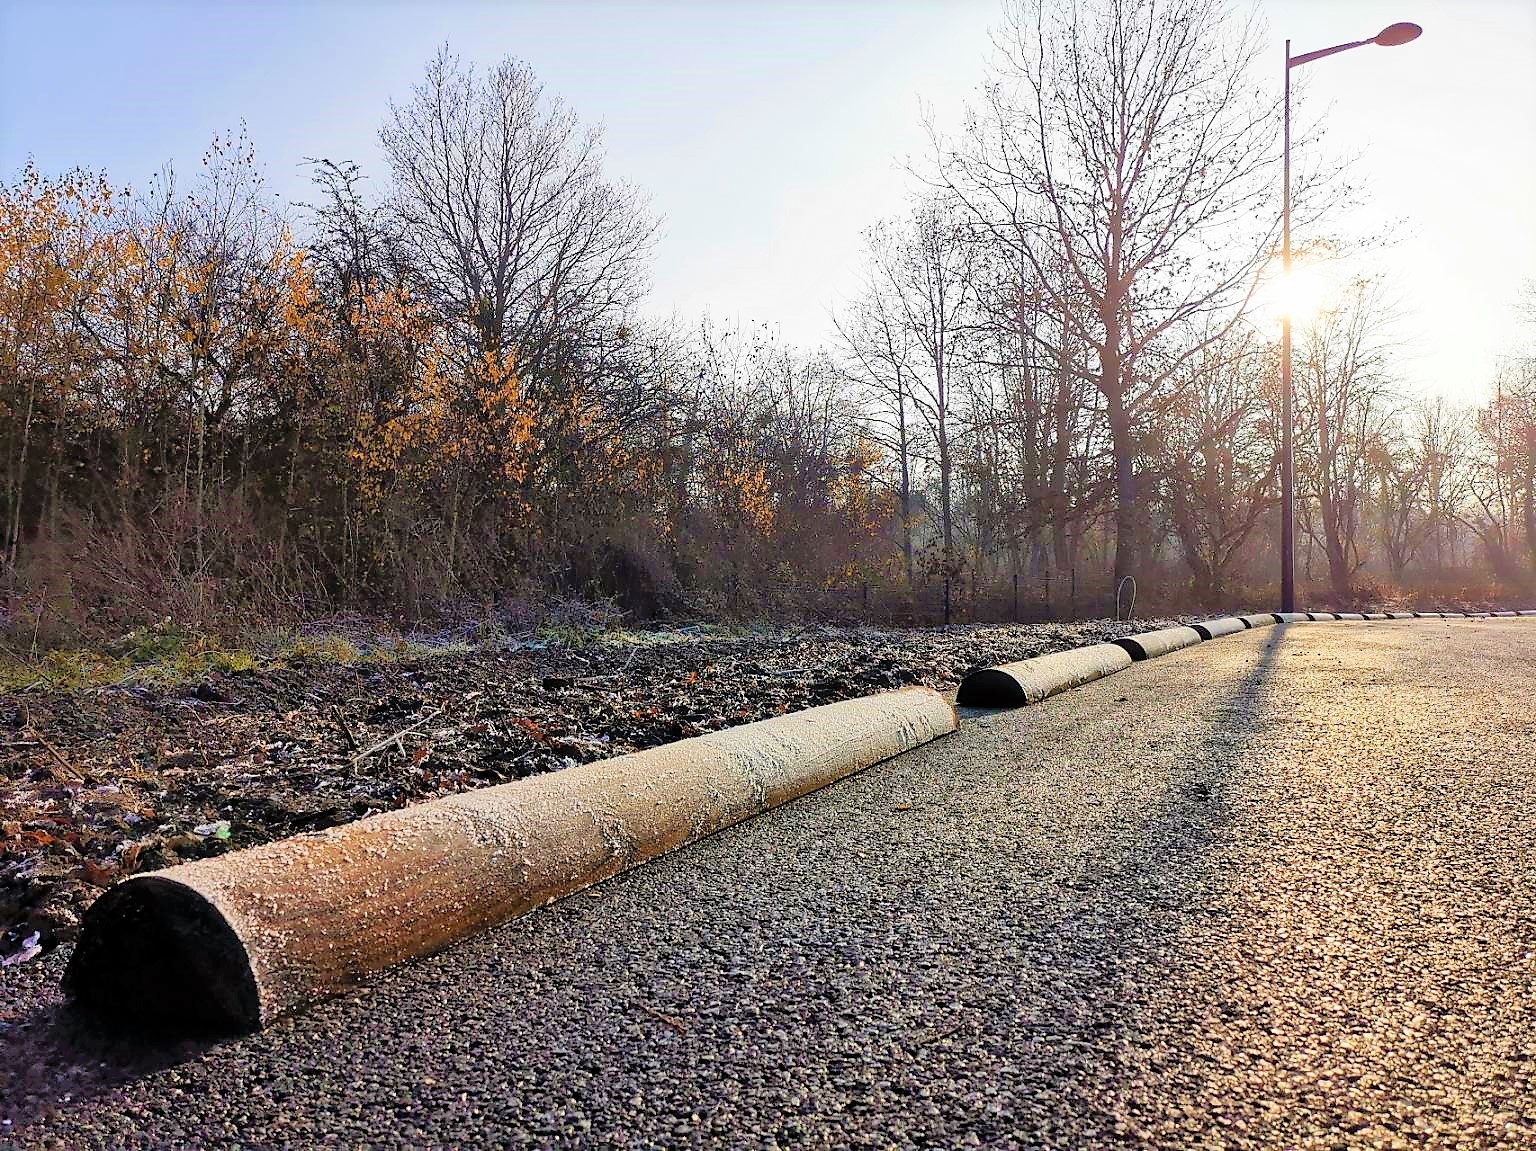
(1150, 644)
(1032, 680)
(1216, 628)
(231, 943)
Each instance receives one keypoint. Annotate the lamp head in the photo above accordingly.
(1394, 34)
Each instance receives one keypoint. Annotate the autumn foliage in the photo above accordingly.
(207, 418)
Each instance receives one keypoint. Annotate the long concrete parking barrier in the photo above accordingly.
(1151, 644)
(231, 943)
(1216, 628)
(1031, 680)
(1262, 619)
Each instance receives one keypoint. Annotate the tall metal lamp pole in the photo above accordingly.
(1389, 37)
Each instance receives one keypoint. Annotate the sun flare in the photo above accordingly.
(1310, 289)
(1304, 293)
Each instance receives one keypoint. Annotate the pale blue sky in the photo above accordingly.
(768, 135)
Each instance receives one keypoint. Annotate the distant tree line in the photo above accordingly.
(445, 392)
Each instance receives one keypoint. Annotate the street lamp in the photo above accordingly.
(1389, 37)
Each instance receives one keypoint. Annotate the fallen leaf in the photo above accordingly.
(97, 875)
(533, 730)
(30, 949)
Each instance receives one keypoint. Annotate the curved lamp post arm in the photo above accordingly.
(1389, 37)
(1308, 57)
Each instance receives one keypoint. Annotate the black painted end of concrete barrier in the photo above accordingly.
(991, 687)
(159, 951)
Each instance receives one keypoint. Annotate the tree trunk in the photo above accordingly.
(1530, 495)
(946, 517)
(906, 479)
(1112, 385)
(1125, 486)
(1329, 507)
(19, 479)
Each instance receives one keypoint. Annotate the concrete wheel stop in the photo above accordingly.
(1216, 628)
(1032, 680)
(230, 943)
(1152, 644)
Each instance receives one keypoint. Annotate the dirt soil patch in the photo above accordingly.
(99, 784)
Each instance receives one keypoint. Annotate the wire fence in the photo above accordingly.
(1019, 598)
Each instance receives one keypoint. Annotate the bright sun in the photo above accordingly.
(1311, 288)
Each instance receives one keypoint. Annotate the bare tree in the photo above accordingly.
(1124, 153)
(1220, 458)
(1441, 439)
(1398, 476)
(504, 208)
(1035, 400)
(878, 349)
(921, 283)
(1503, 472)
(1342, 381)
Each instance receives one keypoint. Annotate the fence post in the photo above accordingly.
(1074, 591)
(946, 599)
(1015, 597)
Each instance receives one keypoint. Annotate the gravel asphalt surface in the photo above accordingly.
(1271, 891)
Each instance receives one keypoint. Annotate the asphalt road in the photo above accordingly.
(1272, 891)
